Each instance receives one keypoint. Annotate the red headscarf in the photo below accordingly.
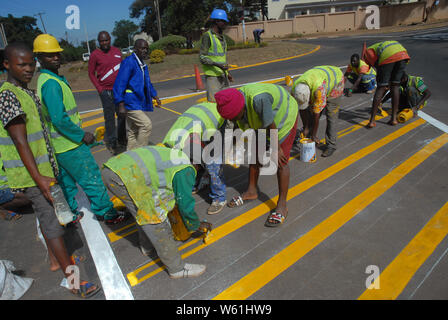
(229, 103)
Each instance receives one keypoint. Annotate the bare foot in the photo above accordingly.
(371, 125)
(55, 267)
(392, 122)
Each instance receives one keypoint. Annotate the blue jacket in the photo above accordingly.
(131, 77)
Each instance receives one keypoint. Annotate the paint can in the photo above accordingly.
(307, 150)
(405, 115)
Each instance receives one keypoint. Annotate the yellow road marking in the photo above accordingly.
(397, 275)
(269, 270)
(114, 236)
(254, 213)
(91, 114)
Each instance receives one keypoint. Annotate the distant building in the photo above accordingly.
(288, 9)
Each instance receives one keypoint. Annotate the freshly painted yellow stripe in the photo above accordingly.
(397, 275)
(258, 278)
(254, 213)
(91, 114)
(92, 122)
(114, 236)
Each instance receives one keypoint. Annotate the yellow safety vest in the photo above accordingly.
(61, 143)
(148, 173)
(216, 53)
(16, 172)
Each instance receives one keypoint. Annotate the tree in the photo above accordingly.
(20, 29)
(180, 17)
(122, 32)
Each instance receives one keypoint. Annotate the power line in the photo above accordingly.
(41, 20)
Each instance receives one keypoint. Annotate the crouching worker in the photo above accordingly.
(361, 75)
(414, 93)
(151, 181)
(197, 125)
(263, 106)
(319, 90)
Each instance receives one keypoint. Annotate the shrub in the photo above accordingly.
(169, 44)
(230, 42)
(157, 56)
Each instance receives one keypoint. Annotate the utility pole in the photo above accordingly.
(87, 38)
(244, 26)
(41, 20)
(156, 4)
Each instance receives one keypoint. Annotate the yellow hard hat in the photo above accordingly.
(46, 43)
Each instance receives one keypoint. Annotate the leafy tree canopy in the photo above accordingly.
(123, 31)
(20, 29)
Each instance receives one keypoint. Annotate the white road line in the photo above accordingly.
(436, 123)
(113, 283)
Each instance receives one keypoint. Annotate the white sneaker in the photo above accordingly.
(189, 271)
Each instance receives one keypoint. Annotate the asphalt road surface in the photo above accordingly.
(378, 206)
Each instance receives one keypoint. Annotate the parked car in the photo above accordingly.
(86, 56)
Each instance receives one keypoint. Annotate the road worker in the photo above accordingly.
(389, 59)
(76, 162)
(319, 90)
(197, 125)
(213, 55)
(361, 75)
(263, 106)
(151, 181)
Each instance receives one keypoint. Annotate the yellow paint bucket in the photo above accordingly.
(118, 204)
(405, 115)
(99, 133)
(177, 225)
(307, 150)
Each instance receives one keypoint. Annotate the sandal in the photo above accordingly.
(76, 218)
(238, 201)
(86, 290)
(276, 216)
(11, 216)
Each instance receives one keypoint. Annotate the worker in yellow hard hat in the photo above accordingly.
(70, 142)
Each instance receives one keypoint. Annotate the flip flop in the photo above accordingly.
(86, 290)
(237, 201)
(276, 216)
(12, 216)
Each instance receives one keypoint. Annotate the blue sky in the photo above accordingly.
(96, 15)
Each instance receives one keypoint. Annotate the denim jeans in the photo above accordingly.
(114, 133)
(217, 183)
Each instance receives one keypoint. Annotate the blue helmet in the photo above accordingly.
(219, 14)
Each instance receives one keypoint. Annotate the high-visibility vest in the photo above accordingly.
(3, 177)
(386, 49)
(413, 82)
(148, 173)
(201, 118)
(285, 108)
(315, 77)
(61, 143)
(371, 71)
(216, 53)
(16, 172)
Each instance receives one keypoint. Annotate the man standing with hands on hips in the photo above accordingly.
(133, 93)
(104, 64)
